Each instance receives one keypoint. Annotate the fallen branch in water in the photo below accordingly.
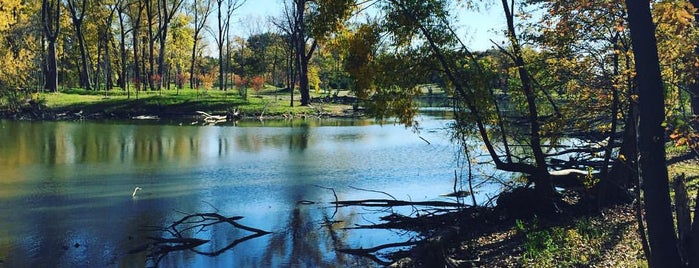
(209, 118)
(208, 219)
(371, 252)
(198, 222)
(395, 203)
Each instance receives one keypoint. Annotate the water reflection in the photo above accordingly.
(65, 188)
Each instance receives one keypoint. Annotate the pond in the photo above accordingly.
(66, 189)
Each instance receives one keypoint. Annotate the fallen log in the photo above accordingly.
(395, 203)
(145, 117)
(209, 118)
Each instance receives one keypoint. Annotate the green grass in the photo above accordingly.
(270, 101)
(575, 245)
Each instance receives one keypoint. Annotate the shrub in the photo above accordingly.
(181, 79)
(257, 83)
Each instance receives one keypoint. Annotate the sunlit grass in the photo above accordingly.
(269, 101)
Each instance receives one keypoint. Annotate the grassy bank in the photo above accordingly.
(185, 102)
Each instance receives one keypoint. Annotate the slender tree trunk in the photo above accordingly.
(151, 48)
(99, 68)
(84, 70)
(200, 17)
(613, 189)
(661, 228)
(77, 15)
(694, 87)
(108, 64)
(542, 178)
(162, 38)
(193, 62)
(296, 74)
(122, 52)
(219, 44)
(136, 58)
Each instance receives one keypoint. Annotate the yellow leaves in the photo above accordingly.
(9, 12)
(16, 69)
(674, 13)
(359, 64)
(314, 77)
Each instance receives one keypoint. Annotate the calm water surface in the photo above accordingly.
(65, 189)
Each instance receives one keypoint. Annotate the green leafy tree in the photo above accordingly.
(314, 22)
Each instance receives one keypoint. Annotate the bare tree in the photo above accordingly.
(201, 9)
(224, 14)
(287, 26)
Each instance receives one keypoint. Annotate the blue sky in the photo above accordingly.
(476, 28)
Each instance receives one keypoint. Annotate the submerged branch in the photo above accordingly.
(371, 252)
(162, 246)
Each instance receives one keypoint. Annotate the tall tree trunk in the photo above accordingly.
(98, 72)
(136, 57)
(163, 22)
(200, 16)
(77, 15)
(193, 62)
(122, 51)
(50, 18)
(166, 13)
(150, 17)
(661, 228)
(108, 64)
(616, 181)
(52, 67)
(302, 66)
(84, 70)
(694, 87)
(219, 45)
(296, 74)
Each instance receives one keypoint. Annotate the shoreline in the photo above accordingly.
(88, 111)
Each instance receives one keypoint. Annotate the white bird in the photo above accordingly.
(136, 190)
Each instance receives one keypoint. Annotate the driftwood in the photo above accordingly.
(395, 203)
(145, 117)
(209, 118)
